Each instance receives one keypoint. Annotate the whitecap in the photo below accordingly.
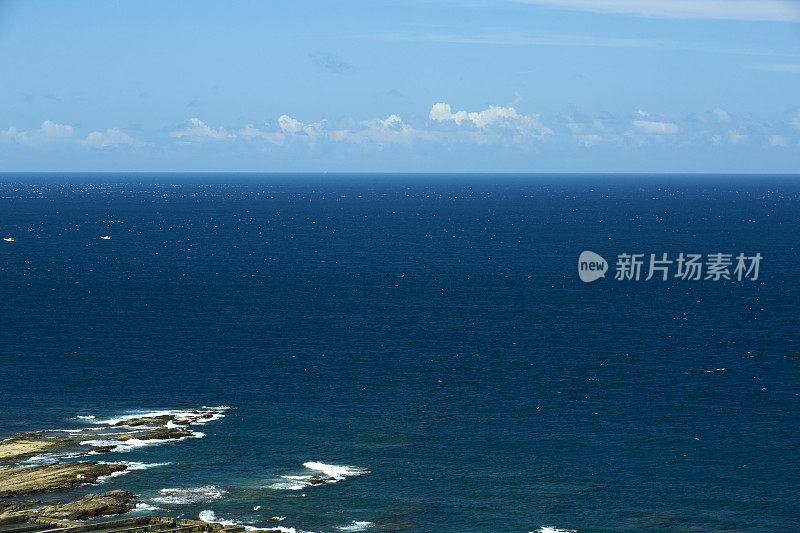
(141, 506)
(355, 525)
(329, 474)
(336, 472)
(545, 529)
(187, 495)
(209, 516)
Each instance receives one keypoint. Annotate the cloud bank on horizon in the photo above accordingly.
(520, 85)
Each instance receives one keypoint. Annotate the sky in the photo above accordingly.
(400, 86)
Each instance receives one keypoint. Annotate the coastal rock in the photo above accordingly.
(162, 433)
(7, 507)
(27, 445)
(150, 421)
(103, 449)
(16, 481)
(91, 505)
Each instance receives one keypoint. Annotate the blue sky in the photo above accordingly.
(404, 86)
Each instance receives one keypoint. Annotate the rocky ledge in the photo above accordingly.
(90, 506)
(27, 445)
(162, 433)
(16, 481)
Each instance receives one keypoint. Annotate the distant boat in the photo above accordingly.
(105, 237)
(9, 239)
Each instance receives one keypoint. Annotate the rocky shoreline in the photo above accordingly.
(19, 480)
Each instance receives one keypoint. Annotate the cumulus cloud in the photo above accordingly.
(294, 127)
(48, 133)
(113, 137)
(199, 131)
(492, 117)
(381, 132)
(655, 127)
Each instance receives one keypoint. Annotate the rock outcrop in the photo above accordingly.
(27, 445)
(162, 433)
(90, 506)
(15, 481)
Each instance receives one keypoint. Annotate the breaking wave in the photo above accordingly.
(327, 474)
(187, 495)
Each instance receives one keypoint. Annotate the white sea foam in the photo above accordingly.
(132, 466)
(50, 458)
(85, 417)
(187, 495)
(335, 471)
(329, 474)
(545, 529)
(196, 418)
(355, 525)
(141, 506)
(132, 444)
(209, 516)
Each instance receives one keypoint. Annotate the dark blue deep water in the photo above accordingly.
(430, 329)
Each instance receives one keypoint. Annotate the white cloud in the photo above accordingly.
(199, 131)
(381, 132)
(112, 137)
(721, 115)
(655, 127)
(492, 117)
(49, 132)
(753, 10)
(250, 132)
(294, 127)
(777, 140)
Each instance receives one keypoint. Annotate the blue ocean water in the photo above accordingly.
(431, 330)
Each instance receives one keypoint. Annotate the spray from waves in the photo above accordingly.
(187, 495)
(326, 474)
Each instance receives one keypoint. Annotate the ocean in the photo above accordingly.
(424, 339)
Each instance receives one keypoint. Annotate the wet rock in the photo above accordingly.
(162, 433)
(16, 481)
(27, 445)
(148, 421)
